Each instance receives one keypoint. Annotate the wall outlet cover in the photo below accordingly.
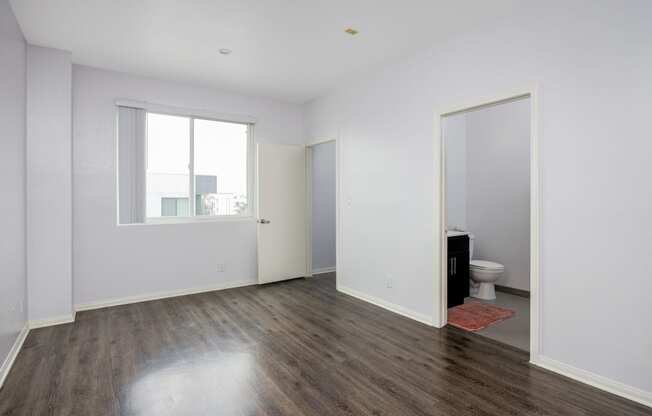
(389, 282)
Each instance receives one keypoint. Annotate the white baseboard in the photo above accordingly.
(425, 319)
(595, 380)
(161, 295)
(323, 270)
(55, 320)
(13, 353)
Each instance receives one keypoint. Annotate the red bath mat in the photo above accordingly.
(474, 316)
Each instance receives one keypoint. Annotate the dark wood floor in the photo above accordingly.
(294, 348)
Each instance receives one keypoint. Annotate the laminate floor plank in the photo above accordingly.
(291, 348)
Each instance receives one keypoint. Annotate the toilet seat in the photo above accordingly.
(485, 265)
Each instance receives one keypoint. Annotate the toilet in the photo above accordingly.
(483, 275)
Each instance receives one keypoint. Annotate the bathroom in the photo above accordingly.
(487, 193)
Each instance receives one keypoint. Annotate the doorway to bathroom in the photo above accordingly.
(488, 201)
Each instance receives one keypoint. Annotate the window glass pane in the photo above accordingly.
(220, 168)
(174, 207)
(168, 157)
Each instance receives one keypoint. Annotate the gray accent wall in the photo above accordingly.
(323, 206)
(454, 135)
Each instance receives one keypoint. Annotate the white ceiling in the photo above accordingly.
(292, 50)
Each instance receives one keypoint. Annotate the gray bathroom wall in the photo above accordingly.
(454, 134)
(498, 188)
(323, 207)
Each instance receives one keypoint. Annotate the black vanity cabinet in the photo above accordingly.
(458, 269)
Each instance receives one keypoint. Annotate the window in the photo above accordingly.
(181, 166)
(168, 168)
(220, 180)
(174, 207)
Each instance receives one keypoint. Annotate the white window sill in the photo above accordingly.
(193, 220)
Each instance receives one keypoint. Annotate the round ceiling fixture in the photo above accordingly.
(225, 51)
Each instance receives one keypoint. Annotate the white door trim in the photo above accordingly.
(309, 211)
(440, 314)
(338, 214)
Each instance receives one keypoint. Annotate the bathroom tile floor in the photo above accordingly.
(514, 331)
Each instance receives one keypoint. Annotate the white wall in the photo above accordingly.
(591, 60)
(113, 261)
(454, 134)
(13, 279)
(323, 206)
(498, 188)
(49, 183)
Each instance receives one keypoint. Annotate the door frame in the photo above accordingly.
(338, 214)
(440, 314)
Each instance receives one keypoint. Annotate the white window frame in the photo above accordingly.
(192, 115)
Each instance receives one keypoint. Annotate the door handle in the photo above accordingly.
(455, 265)
(263, 221)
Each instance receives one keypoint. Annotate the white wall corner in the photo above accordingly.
(392, 307)
(55, 320)
(321, 270)
(603, 383)
(48, 166)
(13, 353)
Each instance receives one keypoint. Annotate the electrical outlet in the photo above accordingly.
(389, 281)
(220, 267)
(18, 306)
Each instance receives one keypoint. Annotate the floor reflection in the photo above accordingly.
(196, 387)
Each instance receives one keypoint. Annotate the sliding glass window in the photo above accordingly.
(220, 156)
(168, 166)
(190, 167)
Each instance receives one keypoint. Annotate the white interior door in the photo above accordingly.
(281, 171)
